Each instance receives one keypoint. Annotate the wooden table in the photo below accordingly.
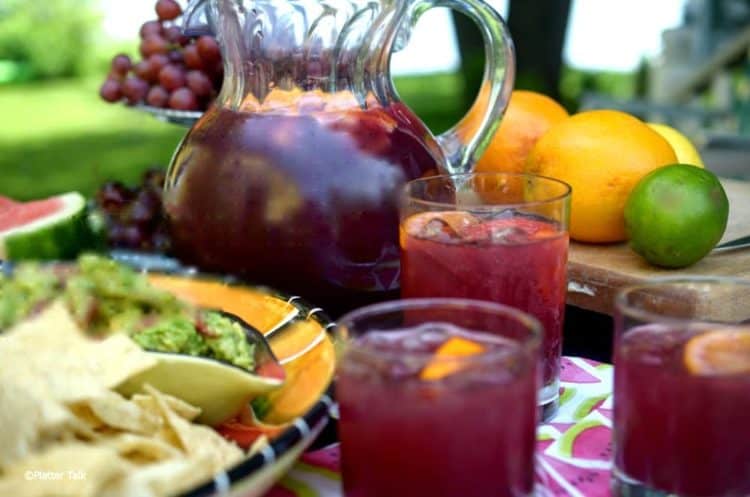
(597, 272)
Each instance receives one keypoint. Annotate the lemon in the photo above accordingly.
(683, 148)
(676, 214)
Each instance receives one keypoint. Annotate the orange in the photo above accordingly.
(446, 360)
(529, 115)
(719, 353)
(601, 154)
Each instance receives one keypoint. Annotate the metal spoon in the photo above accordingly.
(735, 244)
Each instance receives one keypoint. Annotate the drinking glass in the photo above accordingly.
(682, 388)
(437, 398)
(499, 237)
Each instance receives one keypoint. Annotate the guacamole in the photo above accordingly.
(26, 291)
(214, 336)
(106, 297)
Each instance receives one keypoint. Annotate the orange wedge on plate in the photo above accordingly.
(720, 352)
(454, 348)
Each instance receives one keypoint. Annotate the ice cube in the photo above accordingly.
(508, 235)
(445, 226)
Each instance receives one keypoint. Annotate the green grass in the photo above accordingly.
(59, 136)
(437, 98)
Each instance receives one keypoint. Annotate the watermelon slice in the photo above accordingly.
(53, 228)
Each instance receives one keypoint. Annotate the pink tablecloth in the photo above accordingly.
(573, 449)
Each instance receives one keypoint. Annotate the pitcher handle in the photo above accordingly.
(465, 142)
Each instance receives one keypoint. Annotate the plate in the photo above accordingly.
(284, 317)
(181, 117)
(303, 404)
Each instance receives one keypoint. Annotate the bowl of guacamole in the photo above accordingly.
(106, 297)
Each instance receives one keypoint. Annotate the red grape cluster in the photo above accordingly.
(176, 71)
(133, 217)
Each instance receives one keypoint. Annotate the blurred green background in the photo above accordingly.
(57, 135)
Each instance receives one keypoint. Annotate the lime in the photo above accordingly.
(676, 214)
(719, 353)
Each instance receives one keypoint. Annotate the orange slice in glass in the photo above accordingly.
(454, 348)
(719, 353)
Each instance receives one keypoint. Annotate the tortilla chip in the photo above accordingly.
(23, 417)
(198, 440)
(60, 419)
(169, 477)
(139, 449)
(259, 443)
(75, 470)
(117, 412)
(120, 358)
(47, 361)
(50, 355)
(182, 408)
(54, 324)
(85, 416)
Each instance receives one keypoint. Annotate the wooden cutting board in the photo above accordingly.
(597, 272)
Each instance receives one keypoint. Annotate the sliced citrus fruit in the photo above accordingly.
(719, 353)
(453, 348)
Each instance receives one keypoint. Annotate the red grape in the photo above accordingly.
(172, 77)
(158, 61)
(113, 195)
(134, 217)
(124, 235)
(208, 49)
(170, 61)
(151, 28)
(192, 57)
(199, 83)
(116, 76)
(153, 44)
(121, 64)
(174, 35)
(168, 10)
(183, 99)
(216, 69)
(146, 71)
(145, 207)
(153, 179)
(111, 91)
(134, 89)
(217, 75)
(175, 56)
(157, 97)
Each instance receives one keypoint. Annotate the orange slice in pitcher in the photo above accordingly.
(719, 353)
(448, 356)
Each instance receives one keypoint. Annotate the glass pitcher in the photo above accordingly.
(292, 178)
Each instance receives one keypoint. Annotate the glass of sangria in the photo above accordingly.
(437, 398)
(682, 389)
(500, 237)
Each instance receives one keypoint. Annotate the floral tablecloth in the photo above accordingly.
(573, 449)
